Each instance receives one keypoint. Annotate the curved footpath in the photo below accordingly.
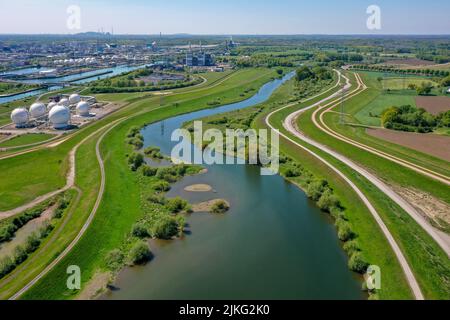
(288, 124)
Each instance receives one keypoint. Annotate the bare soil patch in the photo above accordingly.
(411, 62)
(433, 144)
(431, 208)
(434, 105)
(198, 188)
(95, 287)
(207, 205)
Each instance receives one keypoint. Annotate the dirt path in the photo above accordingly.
(289, 125)
(86, 224)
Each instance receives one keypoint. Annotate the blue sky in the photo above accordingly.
(227, 16)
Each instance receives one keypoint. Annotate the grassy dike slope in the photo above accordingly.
(120, 207)
(429, 263)
(371, 240)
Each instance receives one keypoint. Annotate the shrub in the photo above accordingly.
(115, 259)
(315, 189)
(357, 263)
(177, 205)
(6, 266)
(292, 173)
(165, 228)
(140, 253)
(351, 247)
(344, 231)
(157, 198)
(328, 201)
(162, 186)
(140, 231)
(148, 171)
(135, 160)
(153, 152)
(220, 206)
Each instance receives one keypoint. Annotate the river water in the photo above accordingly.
(86, 78)
(274, 243)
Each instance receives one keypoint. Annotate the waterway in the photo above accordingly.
(84, 77)
(274, 243)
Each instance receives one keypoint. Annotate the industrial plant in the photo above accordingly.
(60, 113)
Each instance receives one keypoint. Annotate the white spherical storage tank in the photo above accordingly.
(83, 108)
(74, 98)
(64, 102)
(20, 116)
(51, 105)
(37, 110)
(59, 116)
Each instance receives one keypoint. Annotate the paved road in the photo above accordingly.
(396, 249)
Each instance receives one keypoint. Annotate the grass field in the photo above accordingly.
(403, 83)
(25, 139)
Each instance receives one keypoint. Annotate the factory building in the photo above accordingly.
(56, 114)
(200, 59)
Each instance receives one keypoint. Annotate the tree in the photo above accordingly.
(177, 205)
(357, 263)
(135, 160)
(140, 231)
(220, 206)
(165, 228)
(424, 89)
(304, 73)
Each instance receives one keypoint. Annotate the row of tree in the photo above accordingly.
(408, 118)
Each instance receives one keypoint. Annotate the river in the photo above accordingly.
(274, 243)
(85, 77)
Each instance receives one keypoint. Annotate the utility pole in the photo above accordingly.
(342, 119)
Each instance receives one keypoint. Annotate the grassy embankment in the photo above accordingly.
(25, 139)
(420, 250)
(116, 216)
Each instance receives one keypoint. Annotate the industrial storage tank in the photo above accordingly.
(51, 105)
(83, 108)
(64, 102)
(59, 116)
(20, 116)
(37, 110)
(74, 99)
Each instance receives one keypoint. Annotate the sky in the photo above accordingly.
(224, 17)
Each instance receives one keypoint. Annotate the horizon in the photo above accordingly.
(193, 17)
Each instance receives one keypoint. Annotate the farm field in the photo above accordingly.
(436, 145)
(433, 105)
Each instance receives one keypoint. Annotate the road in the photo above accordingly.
(415, 288)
